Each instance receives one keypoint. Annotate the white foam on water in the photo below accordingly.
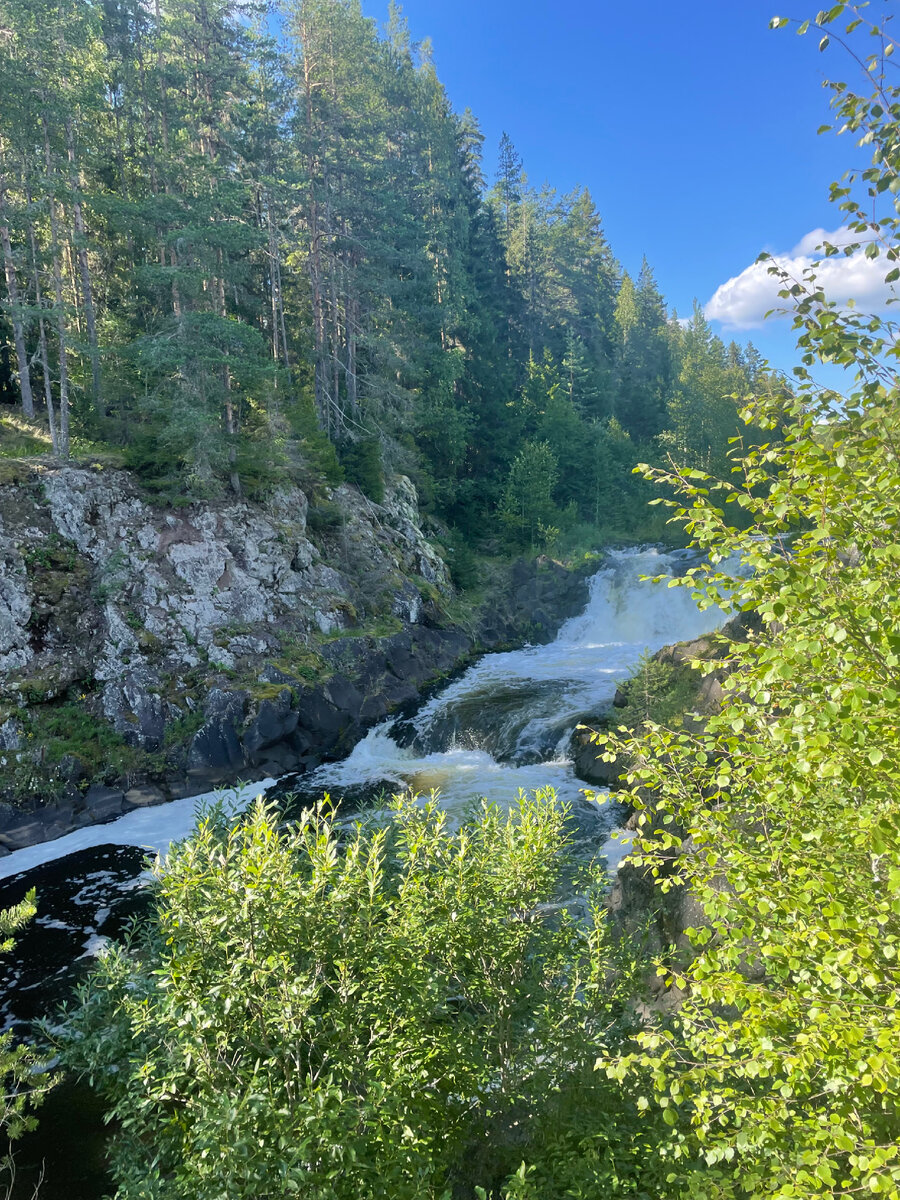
(625, 616)
(153, 829)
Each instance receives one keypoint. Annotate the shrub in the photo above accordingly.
(23, 1089)
(394, 1017)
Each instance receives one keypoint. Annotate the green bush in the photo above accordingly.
(657, 692)
(23, 1088)
(462, 562)
(394, 1016)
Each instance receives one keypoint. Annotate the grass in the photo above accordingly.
(22, 439)
(180, 731)
(71, 730)
(378, 627)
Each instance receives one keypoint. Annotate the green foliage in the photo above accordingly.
(180, 731)
(781, 1071)
(363, 466)
(324, 517)
(23, 1087)
(71, 729)
(300, 660)
(462, 561)
(528, 506)
(380, 1011)
(22, 439)
(52, 553)
(658, 692)
(112, 577)
(234, 259)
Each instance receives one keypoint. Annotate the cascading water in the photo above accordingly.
(506, 723)
(502, 726)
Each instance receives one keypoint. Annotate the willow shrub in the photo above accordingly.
(381, 1013)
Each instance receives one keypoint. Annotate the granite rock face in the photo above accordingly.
(160, 624)
(148, 652)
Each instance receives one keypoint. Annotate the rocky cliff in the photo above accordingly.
(147, 651)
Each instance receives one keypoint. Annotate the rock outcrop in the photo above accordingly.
(148, 652)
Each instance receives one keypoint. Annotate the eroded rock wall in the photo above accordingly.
(137, 617)
(148, 652)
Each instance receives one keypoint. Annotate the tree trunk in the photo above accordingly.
(15, 311)
(42, 329)
(218, 288)
(314, 258)
(60, 301)
(83, 267)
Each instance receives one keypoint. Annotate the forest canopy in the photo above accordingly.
(241, 244)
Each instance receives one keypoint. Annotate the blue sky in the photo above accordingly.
(694, 126)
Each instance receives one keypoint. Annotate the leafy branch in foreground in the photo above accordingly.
(21, 1091)
(781, 1074)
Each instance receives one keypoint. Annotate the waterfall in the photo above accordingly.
(506, 723)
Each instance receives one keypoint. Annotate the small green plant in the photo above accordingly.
(52, 553)
(131, 619)
(180, 731)
(70, 729)
(300, 660)
(23, 1084)
(658, 692)
(363, 465)
(113, 577)
(323, 517)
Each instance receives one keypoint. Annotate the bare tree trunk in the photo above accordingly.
(231, 429)
(83, 267)
(70, 272)
(163, 106)
(60, 302)
(15, 311)
(314, 258)
(218, 285)
(279, 333)
(352, 327)
(42, 328)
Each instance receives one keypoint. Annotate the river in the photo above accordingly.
(503, 725)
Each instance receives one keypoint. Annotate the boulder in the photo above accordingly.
(10, 734)
(144, 795)
(38, 825)
(344, 695)
(589, 766)
(102, 803)
(216, 744)
(273, 723)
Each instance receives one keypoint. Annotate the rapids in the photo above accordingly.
(506, 723)
(501, 726)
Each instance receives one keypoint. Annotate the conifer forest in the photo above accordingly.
(241, 244)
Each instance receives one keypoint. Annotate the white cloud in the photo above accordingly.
(744, 300)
